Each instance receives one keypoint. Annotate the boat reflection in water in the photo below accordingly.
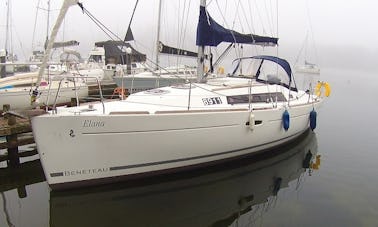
(216, 196)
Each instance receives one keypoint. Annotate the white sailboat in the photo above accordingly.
(17, 90)
(303, 65)
(178, 127)
(307, 67)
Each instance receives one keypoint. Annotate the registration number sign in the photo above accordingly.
(212, 101)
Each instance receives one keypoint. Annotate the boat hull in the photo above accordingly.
(241, 186)
(78, 149)
(307, 69)
(19, 98)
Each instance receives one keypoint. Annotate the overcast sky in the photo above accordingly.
(331, 22)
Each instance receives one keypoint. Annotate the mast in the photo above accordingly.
(158, 37)
(4, 53)
(48, 23)
(201, 55)
(54, 32)
(7, 27)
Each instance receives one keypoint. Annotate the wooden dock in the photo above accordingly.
(27, 173)
(17, 132)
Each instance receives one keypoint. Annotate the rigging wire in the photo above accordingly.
(300, 50)
(178, 29)
(250, 27)
(105, 29)
(272, 17)
(184, 21)
(250, 10)
(35, 24)
(311, 29)
(21, 46)
(236, 15)
(185, 25)
(226, 24)
(269, 18)
(132, 16)
(260, 18)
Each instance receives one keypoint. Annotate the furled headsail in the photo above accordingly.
(65, 44)
(210, 33)
(164, 49)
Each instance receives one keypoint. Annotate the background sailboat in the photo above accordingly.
(303, 64)
(155, 75)
(307, 58)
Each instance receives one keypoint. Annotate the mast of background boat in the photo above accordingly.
(4, 54)
(48, 24)
(66, 4)
(7, 28)
(201, 55)
(158, 38)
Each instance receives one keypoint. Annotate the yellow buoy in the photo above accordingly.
(320, 86)
(221, 70)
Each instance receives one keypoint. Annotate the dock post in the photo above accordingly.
(22, 192)
(12, 141)
(73, 102)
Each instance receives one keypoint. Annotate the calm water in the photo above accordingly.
(339, 189)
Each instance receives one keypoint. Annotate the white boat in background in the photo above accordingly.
(307, 68)
(136, 75)
(93, 69)
(17, 90)
(178, 127)
(107, 59)
(154, 79)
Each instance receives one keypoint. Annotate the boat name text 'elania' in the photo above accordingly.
(90, 123)
(85, 171)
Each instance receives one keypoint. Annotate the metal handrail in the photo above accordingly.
(54, 110)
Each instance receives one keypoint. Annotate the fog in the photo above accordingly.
(340, 33)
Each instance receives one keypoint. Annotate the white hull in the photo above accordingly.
(309, 69)
(77, 146)
(236, 189)
(20, 97)
(18, 80)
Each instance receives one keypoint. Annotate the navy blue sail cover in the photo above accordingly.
(210, 33)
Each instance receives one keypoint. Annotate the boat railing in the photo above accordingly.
(74, 79)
